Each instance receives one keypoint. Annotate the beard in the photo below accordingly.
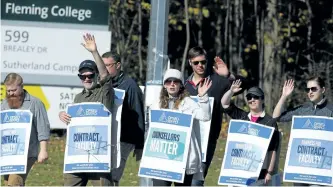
(16, 101)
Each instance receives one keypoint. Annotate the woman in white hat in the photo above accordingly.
(174, 96)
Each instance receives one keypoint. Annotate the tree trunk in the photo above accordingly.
(226, 29)
(308, 43)
(240, 31)
(187, 36)
(259, 43)
(140, 41)
(218, 37)
(200, 43)
(230, 36)
(236, 36)
(271, 65)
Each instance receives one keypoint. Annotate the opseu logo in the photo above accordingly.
(87, 112)
(247, 129)
(168, 119)
(11, 119)
(315, 125)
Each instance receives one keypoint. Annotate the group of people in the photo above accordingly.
(100, 77)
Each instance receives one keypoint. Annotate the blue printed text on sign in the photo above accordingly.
(242, 156)
(92, 139)
(166, 144)
(12, 141)
(311, 153)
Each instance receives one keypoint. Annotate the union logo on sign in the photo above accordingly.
(79, 112)
(246, 129)
(163, 118)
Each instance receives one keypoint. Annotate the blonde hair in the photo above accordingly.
(12, 78)
(164, 97)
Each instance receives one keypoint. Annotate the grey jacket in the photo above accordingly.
(40, 129)
(200, 111)
(323, 109)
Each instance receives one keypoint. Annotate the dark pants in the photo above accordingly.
(187, 182)
(81, 179)
(304, 184)
(117, 173)
(205, 165)
(301, 184)
(263, 174)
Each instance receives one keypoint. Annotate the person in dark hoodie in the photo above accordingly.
(221, 81)
(132, 118)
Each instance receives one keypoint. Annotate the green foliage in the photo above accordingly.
(294, 32)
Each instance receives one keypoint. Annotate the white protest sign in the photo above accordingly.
(88, 143)
(116, 126)
(204, 129)
(310, 151)
(245, 152)
(166, 147)
(15, 138)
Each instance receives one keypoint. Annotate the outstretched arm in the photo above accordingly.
(235, 87)
(286, 92)
(91, 46)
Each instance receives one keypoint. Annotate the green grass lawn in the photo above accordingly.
(51, 172)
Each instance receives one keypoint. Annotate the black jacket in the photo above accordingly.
(237, 113)
(132, 116)
(220, 85)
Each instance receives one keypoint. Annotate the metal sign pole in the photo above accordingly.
(157, 60)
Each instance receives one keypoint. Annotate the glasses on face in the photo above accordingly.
(313, 89)
(202, 62)
(250, 96)
(110, 65)
(169, 81)
(83, 77)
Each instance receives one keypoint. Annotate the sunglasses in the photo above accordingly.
(202, 62)
(250, 96)
(110, 65)
(83, 77)
(169, 81)
(313, 89)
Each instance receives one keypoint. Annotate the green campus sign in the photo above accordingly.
(59, 11)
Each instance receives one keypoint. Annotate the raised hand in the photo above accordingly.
(204, 86)
(90, 43)
(220, 67)
(235, 87)
(288, 87)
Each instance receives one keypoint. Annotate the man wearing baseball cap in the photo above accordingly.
(98, 87)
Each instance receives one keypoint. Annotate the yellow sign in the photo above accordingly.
(34, 90)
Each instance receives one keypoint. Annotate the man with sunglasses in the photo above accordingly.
(132, 116)
(97, 85)
(221, 81)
